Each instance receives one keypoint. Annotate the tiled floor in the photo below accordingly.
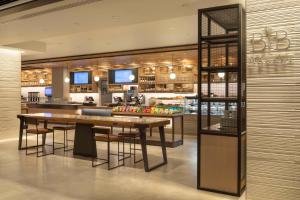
(64, 177)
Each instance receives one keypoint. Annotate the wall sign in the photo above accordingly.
(270, 48)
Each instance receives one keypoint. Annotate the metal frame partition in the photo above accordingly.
(222, 100)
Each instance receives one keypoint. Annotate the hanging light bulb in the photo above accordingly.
(67, 80)
(96, 78)
(131, 77)
(172, 75)
(41, 81)
(221, 74)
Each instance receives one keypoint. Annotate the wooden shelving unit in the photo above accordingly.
(31, 77)
(115, 88)
(147, 79)
(157, 79)
(86, 88)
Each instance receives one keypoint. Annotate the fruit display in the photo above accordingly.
(149, 109)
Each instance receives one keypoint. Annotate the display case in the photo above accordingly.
(168, 101)
(222, 89)
(191, 105)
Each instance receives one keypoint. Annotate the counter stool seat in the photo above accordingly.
(104, 135)
(39, 130)
(32, 127)
(65, 128)
(131, 135)
(107, 138)
(101, 130)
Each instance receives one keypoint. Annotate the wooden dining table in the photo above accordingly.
(84, 143)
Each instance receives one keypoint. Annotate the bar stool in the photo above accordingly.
(132, 136)
(104, 135)
(65, 128)
(36, 130)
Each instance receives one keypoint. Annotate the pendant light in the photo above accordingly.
(67, 80)
(96, 78)
(172, 75)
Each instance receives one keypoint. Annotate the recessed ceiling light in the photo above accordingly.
(115, 18)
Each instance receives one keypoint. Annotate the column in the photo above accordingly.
(10, 90)
(60, 87)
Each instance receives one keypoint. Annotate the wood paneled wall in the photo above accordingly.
(10, 90)
(273, 168)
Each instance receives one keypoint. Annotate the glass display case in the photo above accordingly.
(217, 108)
(171, 101)
(191, 105)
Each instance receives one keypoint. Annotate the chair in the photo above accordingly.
(99, 112)
(104, 135)
(131, 136)
(32, 127)
(65, 128)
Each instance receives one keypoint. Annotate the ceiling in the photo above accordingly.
(78, 27)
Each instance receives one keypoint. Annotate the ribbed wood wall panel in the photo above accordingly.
(10, 90)
(273, 166)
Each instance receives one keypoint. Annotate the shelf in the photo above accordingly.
(218, 99)
(46, 85)
(144, 83)
(220, 39)
(220, 69)
(218, 133)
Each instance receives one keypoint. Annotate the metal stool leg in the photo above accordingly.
(37, 145)
(53, 142)
(26, 143)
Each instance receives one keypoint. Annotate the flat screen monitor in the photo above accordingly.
(80, 78)
(48, 91)
(123, 76)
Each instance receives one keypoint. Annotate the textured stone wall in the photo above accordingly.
(273, 87)
(10, 90)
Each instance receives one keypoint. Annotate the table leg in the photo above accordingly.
(163, 143)
(84, 142)
(173, 130)
(143, 140)
(182, 128)
(21, 132)
(44, 135)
